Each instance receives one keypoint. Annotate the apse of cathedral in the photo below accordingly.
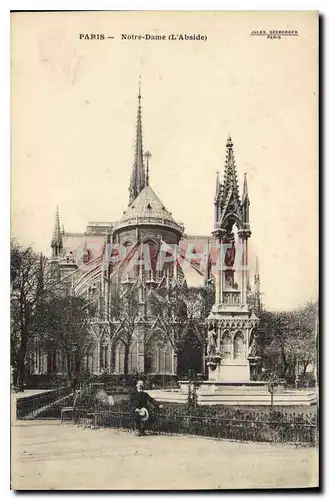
(108, 255)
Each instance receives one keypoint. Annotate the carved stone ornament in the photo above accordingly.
(232, 322)
(213, 361)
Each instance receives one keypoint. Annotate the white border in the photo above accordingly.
(165, 5)
(5, 6)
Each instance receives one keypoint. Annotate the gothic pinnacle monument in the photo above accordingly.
(231, 323)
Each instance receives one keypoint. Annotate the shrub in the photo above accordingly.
(46, 381)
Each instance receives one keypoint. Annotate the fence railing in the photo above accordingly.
(257, 426)
(31, 406)
(241, 425)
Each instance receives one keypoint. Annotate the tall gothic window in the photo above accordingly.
(119, 357)
(168, 359)
(132, 366)
(119, 354)
(150, 270)
(158, 355)
(104, 353)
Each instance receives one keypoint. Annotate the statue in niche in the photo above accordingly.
(230, 253)
(253, 347)
(212, 342)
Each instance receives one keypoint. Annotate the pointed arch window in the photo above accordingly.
(153, 256)
(238, 347)
(104, 354)
(226, 345)
(158, 355)
(133, 357)
(119, 357)
(119, 354)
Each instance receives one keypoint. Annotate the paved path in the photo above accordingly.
(48, 455)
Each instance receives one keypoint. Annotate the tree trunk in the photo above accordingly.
(69, 368)
(290, 372)
(78, 365)
(21, 367)
(126, 360)
(306, 363)
(15, 376)
(285, 364)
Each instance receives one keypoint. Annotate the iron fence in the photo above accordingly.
(256, 426)
(266, 425)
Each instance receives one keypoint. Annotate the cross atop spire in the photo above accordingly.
(147, 155)
(139, 88)
(137, 180)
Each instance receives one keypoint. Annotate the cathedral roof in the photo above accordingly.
(148, 209)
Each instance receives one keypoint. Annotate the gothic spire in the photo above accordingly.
(137, 180)
(57, 240)
(245, 189)
(245, 201)
(57, 235)
(217, 192)
(217, 199)
(228, 207)
(230, 175)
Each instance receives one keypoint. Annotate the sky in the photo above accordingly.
(74, 107)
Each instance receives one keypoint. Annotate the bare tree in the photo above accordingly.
(288, 340)
(66, 318)
(126, 311)
(29, 286)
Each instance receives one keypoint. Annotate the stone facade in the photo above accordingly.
(79, 260)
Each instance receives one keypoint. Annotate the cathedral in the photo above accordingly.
(105, 259)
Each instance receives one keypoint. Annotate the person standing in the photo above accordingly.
(141, 400)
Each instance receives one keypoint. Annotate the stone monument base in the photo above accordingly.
(238, 393)
(231, 371)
